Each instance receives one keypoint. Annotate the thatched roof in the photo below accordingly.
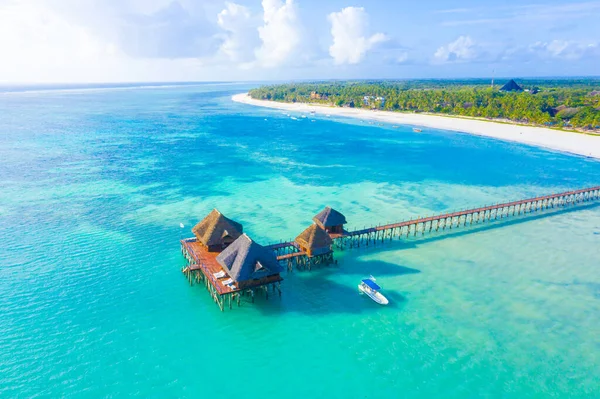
(511, 86)
(246, 260)
(314, 237)
(567, 112)
(329, 217)
(214, 227)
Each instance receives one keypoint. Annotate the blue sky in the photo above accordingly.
(186, 40)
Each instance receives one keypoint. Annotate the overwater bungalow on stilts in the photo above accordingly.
(228, 262)
(250, 265)
(215, 232)
(316, 243)
(331, 221)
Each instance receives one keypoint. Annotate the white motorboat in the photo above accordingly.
(369, 287)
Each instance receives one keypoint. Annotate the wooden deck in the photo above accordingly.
(207, 263)
(280, 245)
(335, 236)
(292, 255)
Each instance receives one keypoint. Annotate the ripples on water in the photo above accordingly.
(95, 184)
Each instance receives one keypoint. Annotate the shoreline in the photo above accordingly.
(571, 142)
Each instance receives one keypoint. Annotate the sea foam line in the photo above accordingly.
(112, 88)
(570, 142)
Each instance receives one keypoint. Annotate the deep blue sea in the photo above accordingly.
(94, 183)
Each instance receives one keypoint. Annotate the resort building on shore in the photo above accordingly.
(511, 86)
(374, 101)
(318, 96)
(228, 262)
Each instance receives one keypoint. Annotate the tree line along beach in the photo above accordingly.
(510, 112)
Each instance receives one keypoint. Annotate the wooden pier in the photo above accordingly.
(292, 257)
(373, 235)
(231, 265)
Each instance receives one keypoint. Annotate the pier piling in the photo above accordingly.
(499, 211)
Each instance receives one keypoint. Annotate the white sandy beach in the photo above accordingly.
(575, 143)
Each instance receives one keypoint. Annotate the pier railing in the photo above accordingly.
(364, 236)
(356, 238)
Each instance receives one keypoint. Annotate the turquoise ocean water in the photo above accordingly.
(94, 184)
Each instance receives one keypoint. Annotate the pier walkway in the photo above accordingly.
(464, 217)
(285, 251)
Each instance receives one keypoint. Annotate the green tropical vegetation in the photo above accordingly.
(561, 103)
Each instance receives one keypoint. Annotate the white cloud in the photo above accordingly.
(175, 40)
(173, 31)
(349, 29)
(242, 34)
(144, 40)
(35, 42)
(142, 29)
(47, 41)
(402, 57)
(103, 40)
(565, 50)
(280, 33)
(462, 49)
(553, 52)
(518, 14)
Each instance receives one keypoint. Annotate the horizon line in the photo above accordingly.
(191, 82)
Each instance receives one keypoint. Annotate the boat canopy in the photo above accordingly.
(371, 284)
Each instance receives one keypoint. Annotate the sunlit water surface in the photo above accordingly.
(94, 184)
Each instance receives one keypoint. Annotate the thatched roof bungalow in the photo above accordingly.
(216, 231)
(314, 241)
(330, 220)
(249, 263)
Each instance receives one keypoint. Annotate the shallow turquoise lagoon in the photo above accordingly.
(94, 184)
